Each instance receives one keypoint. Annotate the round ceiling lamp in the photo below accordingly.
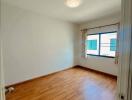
(72, 3)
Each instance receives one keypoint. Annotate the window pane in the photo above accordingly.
(112, 44)
(108, 44)
(92, 44)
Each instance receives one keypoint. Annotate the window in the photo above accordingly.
(92, 44)
(101, 44)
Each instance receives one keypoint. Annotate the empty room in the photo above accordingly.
(60, 49)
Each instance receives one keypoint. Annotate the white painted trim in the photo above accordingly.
(129, 96)
(2, 90)
(125, 50)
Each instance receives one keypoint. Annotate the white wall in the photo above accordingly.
(35, 45)
(98, 63)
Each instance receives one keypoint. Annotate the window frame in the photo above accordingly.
(100, 33)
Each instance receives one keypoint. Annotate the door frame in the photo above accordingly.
(125, 52)
(2, 85)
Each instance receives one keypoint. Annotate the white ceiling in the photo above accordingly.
(88, 10)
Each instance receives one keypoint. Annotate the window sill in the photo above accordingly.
(100, 56)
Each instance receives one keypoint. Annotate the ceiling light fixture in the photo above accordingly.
(72, 3)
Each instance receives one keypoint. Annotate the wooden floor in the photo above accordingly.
(72, 84)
